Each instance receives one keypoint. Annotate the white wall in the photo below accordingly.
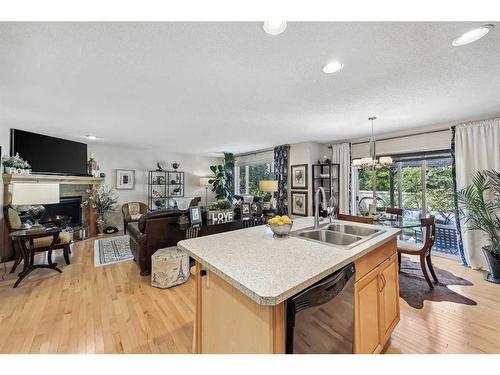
(112, 158)
(306, 153)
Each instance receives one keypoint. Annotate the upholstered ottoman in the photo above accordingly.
(169, 267)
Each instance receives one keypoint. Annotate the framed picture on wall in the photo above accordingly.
(299, 176)
(125, 179)
(299, 203)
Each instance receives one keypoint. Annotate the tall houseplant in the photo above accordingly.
(479, 205)
(102, 200)
(222, 181)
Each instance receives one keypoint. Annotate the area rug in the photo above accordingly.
(414, 289)
(112, 250)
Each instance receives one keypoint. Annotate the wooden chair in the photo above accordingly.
(132, 212)
(394, 211)
(357, 219)
(13, 222)
(423, 252)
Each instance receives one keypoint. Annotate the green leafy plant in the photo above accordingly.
(102, 199)
(479, 205)
(15, 162)
(220, 204)
(222, 181)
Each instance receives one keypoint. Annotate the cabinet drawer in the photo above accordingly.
(372, 260)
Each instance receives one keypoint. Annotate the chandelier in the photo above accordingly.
(372, 161)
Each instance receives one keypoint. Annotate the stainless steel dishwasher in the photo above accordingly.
(320, 319)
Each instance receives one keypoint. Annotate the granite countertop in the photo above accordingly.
(270, 270)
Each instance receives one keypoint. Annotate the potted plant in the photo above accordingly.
(15, 165)
(222, 182)
(102, 200)
(220, 210)
(479, 205)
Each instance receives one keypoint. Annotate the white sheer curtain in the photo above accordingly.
(477, 147)
(341, 154)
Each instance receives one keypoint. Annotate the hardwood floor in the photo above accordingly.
(113, 309)
(451, 328)
(109, 309)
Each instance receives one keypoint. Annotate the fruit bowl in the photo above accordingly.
(281, 230)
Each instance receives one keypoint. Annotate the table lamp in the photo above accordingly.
(269, 186)
(204, 181)
(35, 196)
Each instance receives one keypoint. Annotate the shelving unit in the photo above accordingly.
(162, 187)
(327, 176)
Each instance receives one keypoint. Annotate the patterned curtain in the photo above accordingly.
(281, 172)
(457, 221)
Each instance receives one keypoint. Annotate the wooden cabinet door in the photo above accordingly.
(389, 296)
(230, 322)
(367, 333)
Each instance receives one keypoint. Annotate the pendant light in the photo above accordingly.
(372, 161)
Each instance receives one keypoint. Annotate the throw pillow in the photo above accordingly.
(134, 208)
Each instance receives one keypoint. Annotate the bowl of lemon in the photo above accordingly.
(280, 225)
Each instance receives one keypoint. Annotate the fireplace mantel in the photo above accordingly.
(64, 180)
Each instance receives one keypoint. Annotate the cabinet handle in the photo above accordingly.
(383, 280)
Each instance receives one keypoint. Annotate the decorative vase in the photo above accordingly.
(493, 261)
(101, 224)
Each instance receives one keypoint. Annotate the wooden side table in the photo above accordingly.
(28, 236)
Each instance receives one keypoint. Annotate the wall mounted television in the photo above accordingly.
(49, 155)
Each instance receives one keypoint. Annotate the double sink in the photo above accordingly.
(344, 236)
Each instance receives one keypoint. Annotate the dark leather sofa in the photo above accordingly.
(159, 229)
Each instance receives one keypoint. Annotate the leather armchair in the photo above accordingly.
(129, 217)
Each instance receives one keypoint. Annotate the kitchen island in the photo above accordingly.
(244, 277)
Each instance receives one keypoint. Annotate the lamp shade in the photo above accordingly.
(268, 186)
(34, 194)
(204, 181)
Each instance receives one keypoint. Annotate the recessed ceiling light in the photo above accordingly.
(333, 67)
(91, 137)
(472, 35)
(274, 27)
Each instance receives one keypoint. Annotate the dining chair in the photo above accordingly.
(394, 211)
(424, 252)
(357, 219)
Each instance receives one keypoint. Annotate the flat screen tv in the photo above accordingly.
(49, 155)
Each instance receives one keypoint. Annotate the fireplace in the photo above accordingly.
(68, 211)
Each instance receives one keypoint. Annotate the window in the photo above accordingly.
(249, 170)
(421, 184)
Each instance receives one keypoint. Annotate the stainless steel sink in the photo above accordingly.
(343, 236)
(353, 229)
(334, 238)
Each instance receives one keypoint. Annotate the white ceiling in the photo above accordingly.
(212, 87)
